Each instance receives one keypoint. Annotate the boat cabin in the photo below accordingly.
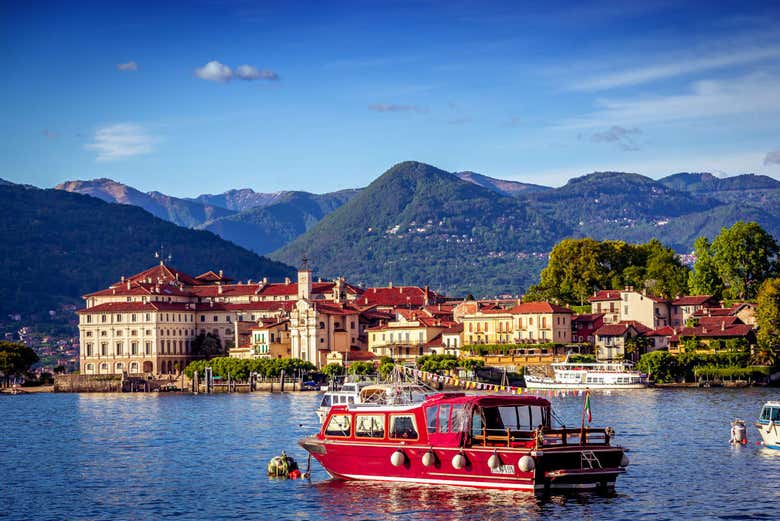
(453, 419)
(770, 412)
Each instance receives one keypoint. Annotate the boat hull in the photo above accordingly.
(571, 386)
(770, 433)
(555, 467)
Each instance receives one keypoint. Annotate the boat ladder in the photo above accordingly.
(588, 460)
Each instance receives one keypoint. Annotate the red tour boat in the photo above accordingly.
(485, 441)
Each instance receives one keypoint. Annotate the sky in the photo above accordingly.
(206, 96)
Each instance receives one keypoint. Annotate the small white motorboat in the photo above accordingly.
(768, 425)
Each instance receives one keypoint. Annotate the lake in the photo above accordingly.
(167, 456)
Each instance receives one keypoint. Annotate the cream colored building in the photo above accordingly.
(527, 322)
(408, 336)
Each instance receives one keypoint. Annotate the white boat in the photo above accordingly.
(768, 425)
(596, 375)
(348, 393)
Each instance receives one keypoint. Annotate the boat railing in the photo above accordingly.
(543, 437)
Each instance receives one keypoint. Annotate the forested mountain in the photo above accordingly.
(267, 228)
(417, 224)
(59, 246)
(178, 211)
(495, 232)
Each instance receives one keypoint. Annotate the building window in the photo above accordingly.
(216, 318)
(203, 318)
(119, 349)
(88, 333)
(322, 325)
(103, 318)
(89, 319)
(104, 349)
(89, 348)
(148, 317)
(148, 348)
(133, 317)
(134, 348)
(118, 317)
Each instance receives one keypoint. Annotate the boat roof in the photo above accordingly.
(772, 403)
(473, 400)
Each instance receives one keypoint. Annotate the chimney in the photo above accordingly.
(287, 281)
(123, 278)
(128, 284)
(219, 288)
(390, 284)
(220, 274)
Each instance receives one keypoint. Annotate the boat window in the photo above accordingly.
(325, 401)
(339, 425)
(403, 426)
(444, 418)
(431, 414)
(776, 414)
(458, 420)
(765, 413)
(370, 426)
(350, 399)
(476, 424)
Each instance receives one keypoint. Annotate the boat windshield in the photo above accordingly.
(492, 420)
(771, 413)
(325, 401)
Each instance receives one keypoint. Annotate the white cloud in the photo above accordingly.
(680, 67)
(250, 73)
(754, 94)
(121, 141)
(221, 73)
(214, 71)
(127, 66)
(393, 107)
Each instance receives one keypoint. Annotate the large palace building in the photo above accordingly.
(146, 324)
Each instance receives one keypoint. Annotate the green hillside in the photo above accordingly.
(60, 245)
(417, 224)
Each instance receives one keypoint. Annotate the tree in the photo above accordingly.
(15, 358)
(660, 365)
(574, 271)
(635, 347)
(333, 370)
(386, 366)
(207, 346)
(745, 255)
(768, 317)
(704, 278)
(665, 276)
(362, 368)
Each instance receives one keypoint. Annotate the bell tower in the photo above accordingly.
(304, 280)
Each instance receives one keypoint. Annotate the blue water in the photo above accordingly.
(158, 456)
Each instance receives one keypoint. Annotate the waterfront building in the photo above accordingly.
(606, 302)
(610, 339)
(684, 308)
(584, 326)
(146, 323)
(413, 333)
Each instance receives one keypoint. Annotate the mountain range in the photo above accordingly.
(461, 232)
(59, 246)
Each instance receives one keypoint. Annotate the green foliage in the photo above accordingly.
(240, 369)
(207, 346)
(582, 359)
(361, 368)
(66, 245)
(731, 373)
(386, 366)
(471, 364)
(333, 370)
(704, 278)
(665, 367)
(768, 315)
(15, 358)
(437, 363)
(578, 267)
(745, 255)
(503, 349)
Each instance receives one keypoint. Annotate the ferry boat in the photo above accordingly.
(482, 441)
(596, 375)
(768, 425)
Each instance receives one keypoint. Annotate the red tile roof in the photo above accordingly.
(539, 307)
(620, 328)
(692, 300)
(165, 273)
(727, 331)
(398, 296)
(587, 317)
(605, 294)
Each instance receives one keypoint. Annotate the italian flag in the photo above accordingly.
(587, 406)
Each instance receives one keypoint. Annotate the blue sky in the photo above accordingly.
(201, 97)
